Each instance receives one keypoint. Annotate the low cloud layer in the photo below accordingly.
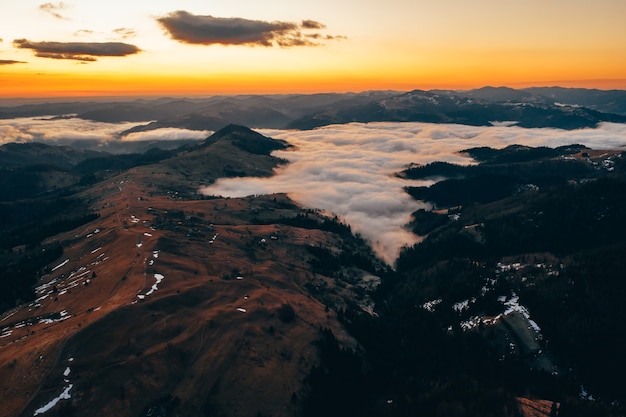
(10, 62)
(346, 169)
(65, 131)
(208, 30)
(349, 169)
(58, 131)
(79, 51)
(168, 133)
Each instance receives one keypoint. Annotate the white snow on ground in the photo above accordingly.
(241, 310)
(511, 267)
(155, 287)
(471, 323)
(430, 305)
(147, 234)
(44, 287)
(64, 316)
(60, 265)
(65, 395)
(463, 305)
(8, 315)
(514, 305)
(101, 258)
(96, 250)
(159, 278)
(43, 297)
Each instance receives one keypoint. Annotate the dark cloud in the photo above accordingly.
(54, 9)
(79, 51)
(10, 62)
(125, 33)
(83, 32)
(312, 24)
(208, 30)
(335, 37)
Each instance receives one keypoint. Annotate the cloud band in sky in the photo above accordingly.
(208, 30)
(79, 51)
(10, 62)
(53, 9)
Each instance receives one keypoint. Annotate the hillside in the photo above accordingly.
(126, 291)
(169, 301)
(517, 283)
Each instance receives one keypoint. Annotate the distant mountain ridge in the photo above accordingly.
(477, 108)
(567, 108)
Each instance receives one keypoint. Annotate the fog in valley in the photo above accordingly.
(70, 130)
(347, 169)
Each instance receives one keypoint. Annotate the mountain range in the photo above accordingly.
(530, 107)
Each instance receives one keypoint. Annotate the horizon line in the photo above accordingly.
(103, 96)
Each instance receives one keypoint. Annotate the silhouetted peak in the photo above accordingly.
(245, 139)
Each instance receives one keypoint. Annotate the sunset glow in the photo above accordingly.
(159, 48)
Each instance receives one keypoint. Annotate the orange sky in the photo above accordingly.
(159, 48)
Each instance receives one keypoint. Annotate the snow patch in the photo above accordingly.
(60, 265)
(65, 395)
(463, 305)
(430, 305)
(159, 278)
(514, 306)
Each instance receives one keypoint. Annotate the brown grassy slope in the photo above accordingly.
(536, 408)
(185, 346)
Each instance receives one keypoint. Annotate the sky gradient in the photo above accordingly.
(187, 47)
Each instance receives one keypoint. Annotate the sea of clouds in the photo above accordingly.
(348, 169)
(68, 130)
